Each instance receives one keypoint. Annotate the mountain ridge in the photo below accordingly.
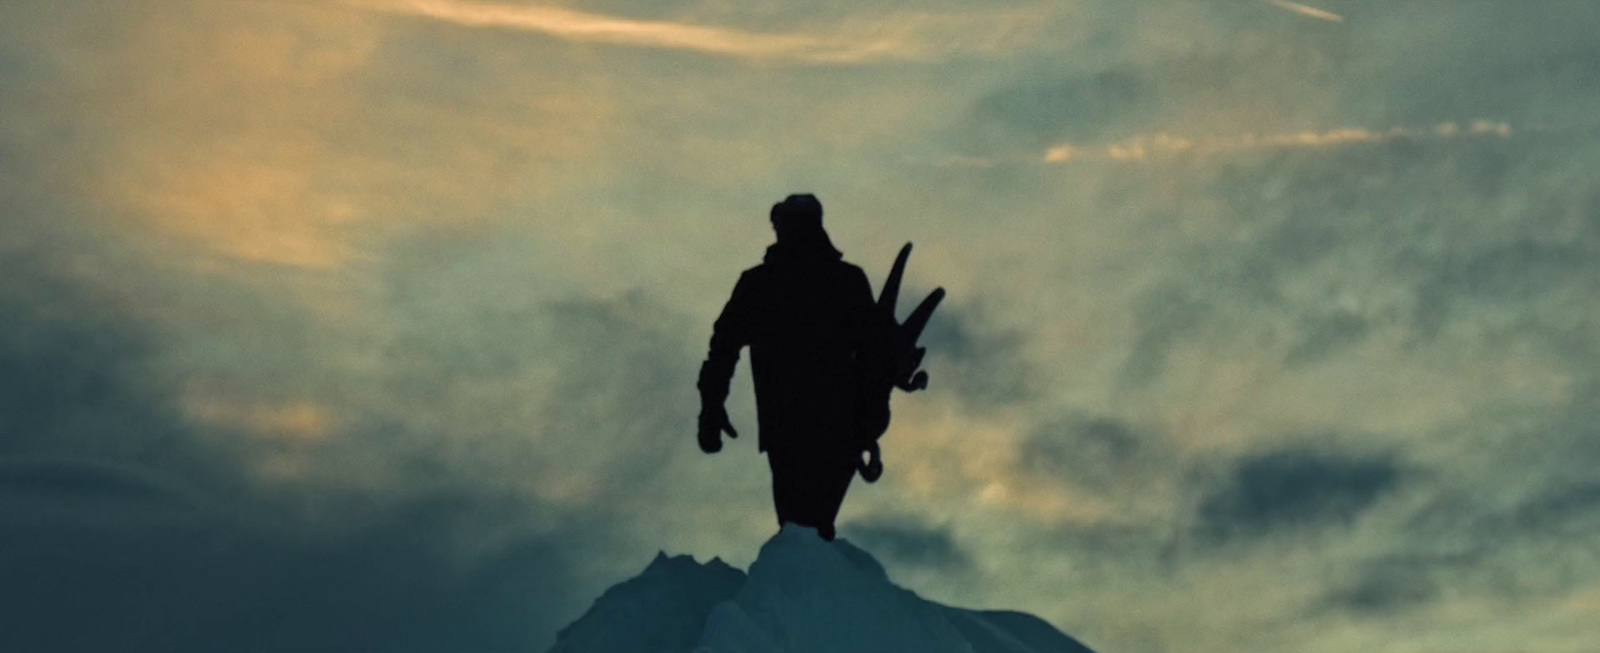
(801, 594)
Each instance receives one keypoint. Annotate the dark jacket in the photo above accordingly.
(803, 312)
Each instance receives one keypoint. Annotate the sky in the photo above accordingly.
(374, 324)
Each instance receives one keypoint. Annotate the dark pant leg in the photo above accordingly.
(785, 489)
(808, 486)
(831, 483)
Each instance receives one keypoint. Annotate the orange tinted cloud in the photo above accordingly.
(1305, 10)
(251, 134)
(222, 122)
(912, 36)
(302, 420)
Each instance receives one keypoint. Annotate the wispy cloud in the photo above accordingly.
(1306, 10)
(1147, 146)
(909, 37)
(1162, 145)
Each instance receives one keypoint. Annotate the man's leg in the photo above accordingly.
(831, 479)
(808, 486)
(786, 488)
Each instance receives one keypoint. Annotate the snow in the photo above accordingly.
(802, 594)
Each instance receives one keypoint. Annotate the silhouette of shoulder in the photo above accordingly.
(837, 274)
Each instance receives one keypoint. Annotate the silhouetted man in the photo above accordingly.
(804, 313)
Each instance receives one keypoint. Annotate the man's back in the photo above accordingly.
(803, 313)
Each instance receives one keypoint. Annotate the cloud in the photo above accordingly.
(1469, 540)
(172, 491)
(1163, 318)
(910, 542)
(1387, 586)
(1148, 146)
(75, 373)
(1506, 274)
(1305, 10)
(1420, 284)
(349, 262)
(578, 399)
(1178, 85)
(576, 25)
(1084, 107)
(976, 363)
(29, 481)
(1293, 490)
(1478, 68)
(1088, 451)
(145, 521)
(1565, 509)
(895, 38)
(280, 154)
(1325, 334)
(109, 558)
(1302, 268)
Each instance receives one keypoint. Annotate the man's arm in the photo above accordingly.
(730, 334)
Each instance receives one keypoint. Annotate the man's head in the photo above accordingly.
(797, 217)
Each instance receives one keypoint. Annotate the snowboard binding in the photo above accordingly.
(891, 359)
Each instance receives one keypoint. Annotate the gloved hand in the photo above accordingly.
(713, 421)
(871, 469)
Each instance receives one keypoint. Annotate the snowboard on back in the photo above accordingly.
(890, 359)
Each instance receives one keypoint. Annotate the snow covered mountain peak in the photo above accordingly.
(802, 594)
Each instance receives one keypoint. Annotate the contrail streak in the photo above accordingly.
(912, 37)
(1152, 146)
(1307, 11)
